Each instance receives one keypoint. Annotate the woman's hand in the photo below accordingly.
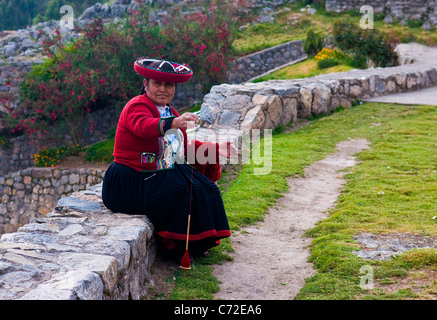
(227, 150)
(187, 120)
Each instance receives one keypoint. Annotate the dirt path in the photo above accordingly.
(270, 259)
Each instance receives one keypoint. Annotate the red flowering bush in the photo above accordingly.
(89, 73)
(58, 95)
(203, 39)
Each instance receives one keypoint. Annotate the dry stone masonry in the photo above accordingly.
(75, 248)
(34, 192)
(80, 251)
(18, 155)
(265, 61)
(11, 76)
(274, 103)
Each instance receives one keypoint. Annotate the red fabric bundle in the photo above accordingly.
(211, 170)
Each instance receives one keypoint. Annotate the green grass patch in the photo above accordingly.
(101, 151)
(401, 163)
(392, 189)
(304, 69)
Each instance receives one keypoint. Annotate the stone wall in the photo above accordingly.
(34, 192)
(395, 10)
(11, 76)
(80, 251)
(262, 62)
(17, 156)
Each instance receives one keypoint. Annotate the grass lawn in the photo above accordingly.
(304, 69)
(402, 162)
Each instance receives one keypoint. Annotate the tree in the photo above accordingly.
(52, 10)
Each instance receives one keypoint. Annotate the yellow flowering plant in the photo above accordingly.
(50, 157)
(329, 57)
(4, 142)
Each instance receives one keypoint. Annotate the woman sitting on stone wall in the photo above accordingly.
(150, 174)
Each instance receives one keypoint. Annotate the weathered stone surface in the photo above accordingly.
(384, 247)
(211, 108)
(236, 102)
(322, 97)
(70, 255)
(78, 204)
(290, 112)
(73, 285)
(229, 118)
(255, 119)
(34, 192)
(355, 91)
(273, 112)
(306, 102)
(269, 105)
(72, 230)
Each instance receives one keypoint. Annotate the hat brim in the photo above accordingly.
(142, 68)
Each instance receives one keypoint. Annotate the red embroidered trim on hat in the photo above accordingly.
(171, 71)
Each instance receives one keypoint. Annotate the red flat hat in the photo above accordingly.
(163, 70)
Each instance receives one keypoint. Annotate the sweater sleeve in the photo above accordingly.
(142, 123)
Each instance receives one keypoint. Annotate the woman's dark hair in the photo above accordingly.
(159, 65)
(143, 91)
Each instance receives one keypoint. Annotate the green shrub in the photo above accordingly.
(364, 44)
(313, 43)
(97, 69)
(101, 151)
(327, 63)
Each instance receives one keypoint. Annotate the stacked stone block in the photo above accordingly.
(80, 251)
(34, 192)
(262, 62)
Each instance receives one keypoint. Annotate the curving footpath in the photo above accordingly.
(274, 254)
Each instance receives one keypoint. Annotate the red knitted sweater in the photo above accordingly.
(140, 143)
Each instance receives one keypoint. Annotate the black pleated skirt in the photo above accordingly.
(167, 197)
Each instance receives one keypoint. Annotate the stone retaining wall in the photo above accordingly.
(80, 251)
(17, 156)
(259, 63)
(34, 192)
(274, 103)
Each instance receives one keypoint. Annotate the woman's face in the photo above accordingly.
(160, 93)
